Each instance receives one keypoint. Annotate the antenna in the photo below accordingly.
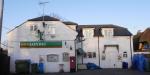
(43, 4)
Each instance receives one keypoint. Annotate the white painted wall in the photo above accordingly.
(23, 33)
(91, 44)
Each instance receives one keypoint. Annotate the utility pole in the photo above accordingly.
(1, 17)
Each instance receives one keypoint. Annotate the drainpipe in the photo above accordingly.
(75, 54)
(98, 51)
(131, 47)
(82, 48)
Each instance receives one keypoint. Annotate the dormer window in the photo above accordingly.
(88, 32)
(107, 32)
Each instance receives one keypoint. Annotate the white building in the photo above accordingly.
(105, 45)
(55, 43)
(51, 41)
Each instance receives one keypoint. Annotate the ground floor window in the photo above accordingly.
(90, 55)
(52, 58)
(65, 56)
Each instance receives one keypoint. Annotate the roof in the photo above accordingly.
(145, 36)
(70, 23)
(118, 30)
(46, 18)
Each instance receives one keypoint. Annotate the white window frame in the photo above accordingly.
(88, 32)
(108, 32)
(51, 30)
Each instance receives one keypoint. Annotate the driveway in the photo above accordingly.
(102, 72)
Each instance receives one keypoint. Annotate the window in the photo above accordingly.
(125, 54)
(31, 28)
(52, 58)
(35, 28)
(51, 29)
(108, 32)
(65, 56)
(88, 33)
(94, 54)
(90, 55)
(85, 55)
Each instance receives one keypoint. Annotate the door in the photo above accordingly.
(111, 57)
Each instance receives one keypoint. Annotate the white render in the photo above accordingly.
(116, 46)
(90, 44)
(22, 33)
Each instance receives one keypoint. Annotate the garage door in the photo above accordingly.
(111, 58)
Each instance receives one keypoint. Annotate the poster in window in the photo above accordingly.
(52, 58)
(65, 56)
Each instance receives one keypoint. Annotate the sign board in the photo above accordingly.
(41, 44)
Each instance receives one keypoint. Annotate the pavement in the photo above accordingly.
(102, 72)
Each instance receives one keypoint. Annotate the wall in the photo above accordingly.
(23, 33)
(91, 44)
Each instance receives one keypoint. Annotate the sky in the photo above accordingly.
(131, 14)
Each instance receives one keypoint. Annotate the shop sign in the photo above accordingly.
(41, 44)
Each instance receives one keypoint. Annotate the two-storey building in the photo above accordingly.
(105, 45)
(43, 39)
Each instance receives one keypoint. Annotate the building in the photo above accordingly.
(142, 41)
(50, 41)
(106, 46)
(65, 45)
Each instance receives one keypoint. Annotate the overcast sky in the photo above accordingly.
(132, 14)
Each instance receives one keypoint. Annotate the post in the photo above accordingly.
(1, 17)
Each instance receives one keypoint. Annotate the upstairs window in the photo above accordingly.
(51, 30)
(88, 33)
(33, 27)
(108, 32)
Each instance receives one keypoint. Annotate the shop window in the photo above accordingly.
(52, 58)
(65, 56)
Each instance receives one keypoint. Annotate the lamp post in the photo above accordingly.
(1, 17)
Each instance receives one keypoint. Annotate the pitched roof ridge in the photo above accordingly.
(46, 18)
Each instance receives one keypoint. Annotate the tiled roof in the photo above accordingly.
(46, 18)
(118, 30)
(145, 36)
(70, 23)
